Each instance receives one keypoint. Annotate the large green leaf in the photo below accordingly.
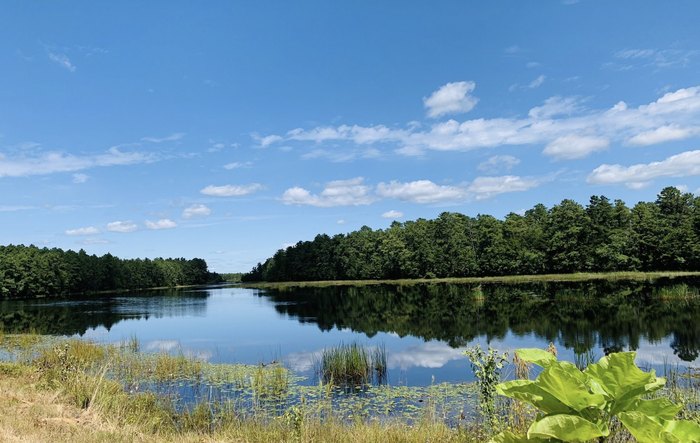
(570, 428)
(569, 385)
(529, 391)
(647, 430)
(684, 430)
(661, 408)
(622, 380)
(537, 356)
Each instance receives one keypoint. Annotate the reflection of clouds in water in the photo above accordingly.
(427, 355)
(162, 345)
(654, 354)
(174, 345)
(302, 361)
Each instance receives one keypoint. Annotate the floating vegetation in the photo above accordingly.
(352, 366)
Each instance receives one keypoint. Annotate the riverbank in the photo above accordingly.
(57, 390)
(576, 277)
(65, 390)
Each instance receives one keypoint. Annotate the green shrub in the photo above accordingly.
(577, 406)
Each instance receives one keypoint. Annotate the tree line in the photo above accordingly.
(603, 236)
(29, 271)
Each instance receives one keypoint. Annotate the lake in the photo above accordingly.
(424, 327)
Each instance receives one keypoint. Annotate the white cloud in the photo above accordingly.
(340, 222)
(164, 223)
(121, 226)
(663, 134)
(93, 241)
(53, 162)
(487, 187)
(451, 98)
(570, 147)
(426, 192)
(266, 141)
(237, 165)
(536, 83)
(548, 124)
(498, 163)
(89, 230)
(62, 60)
(168, 138)
(80, 178)
(196, 210)
(231, 190)
(420, 191)
(636, 176)
(352, 192)
(393, 214)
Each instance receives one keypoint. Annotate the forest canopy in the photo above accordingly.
(29, 271)
(603, 236)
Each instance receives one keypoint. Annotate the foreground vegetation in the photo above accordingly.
(604, 236)
(28, 272)
(68, 390)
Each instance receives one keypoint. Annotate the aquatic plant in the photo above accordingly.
(576, 406)
(352, 365)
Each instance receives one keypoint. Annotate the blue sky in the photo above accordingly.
(226, 130)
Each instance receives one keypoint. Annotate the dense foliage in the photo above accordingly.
(28, 271)
(603, 236)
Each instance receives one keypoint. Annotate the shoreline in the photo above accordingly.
(506, 279)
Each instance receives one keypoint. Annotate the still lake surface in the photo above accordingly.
(424, 328)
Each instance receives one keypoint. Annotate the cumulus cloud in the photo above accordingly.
(231, 190)
(570, 147)
(663, 134)
(164, 223)
(673, 116)
(52, 162)
(168, 138)
(121, 226)
(498, 163)
(427, 192)
(487, 187)
(62, 60)
(89, 230)
(196, 210)
(352, 192)
(639, 175)
(393, 214)
(420, 191)
(451, 98)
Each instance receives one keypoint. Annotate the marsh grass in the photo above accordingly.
(352, 366)
(581, 276)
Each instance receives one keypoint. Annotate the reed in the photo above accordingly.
(352, 366)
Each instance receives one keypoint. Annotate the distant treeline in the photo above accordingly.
(604, 236)
(28, 271)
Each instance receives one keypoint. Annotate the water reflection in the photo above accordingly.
(613, 316)
(76, 316)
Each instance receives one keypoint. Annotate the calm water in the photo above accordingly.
(423, 327)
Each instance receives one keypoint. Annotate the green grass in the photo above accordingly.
(583, 276)
(352, 366)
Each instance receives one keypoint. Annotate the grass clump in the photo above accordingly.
(352, 365)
